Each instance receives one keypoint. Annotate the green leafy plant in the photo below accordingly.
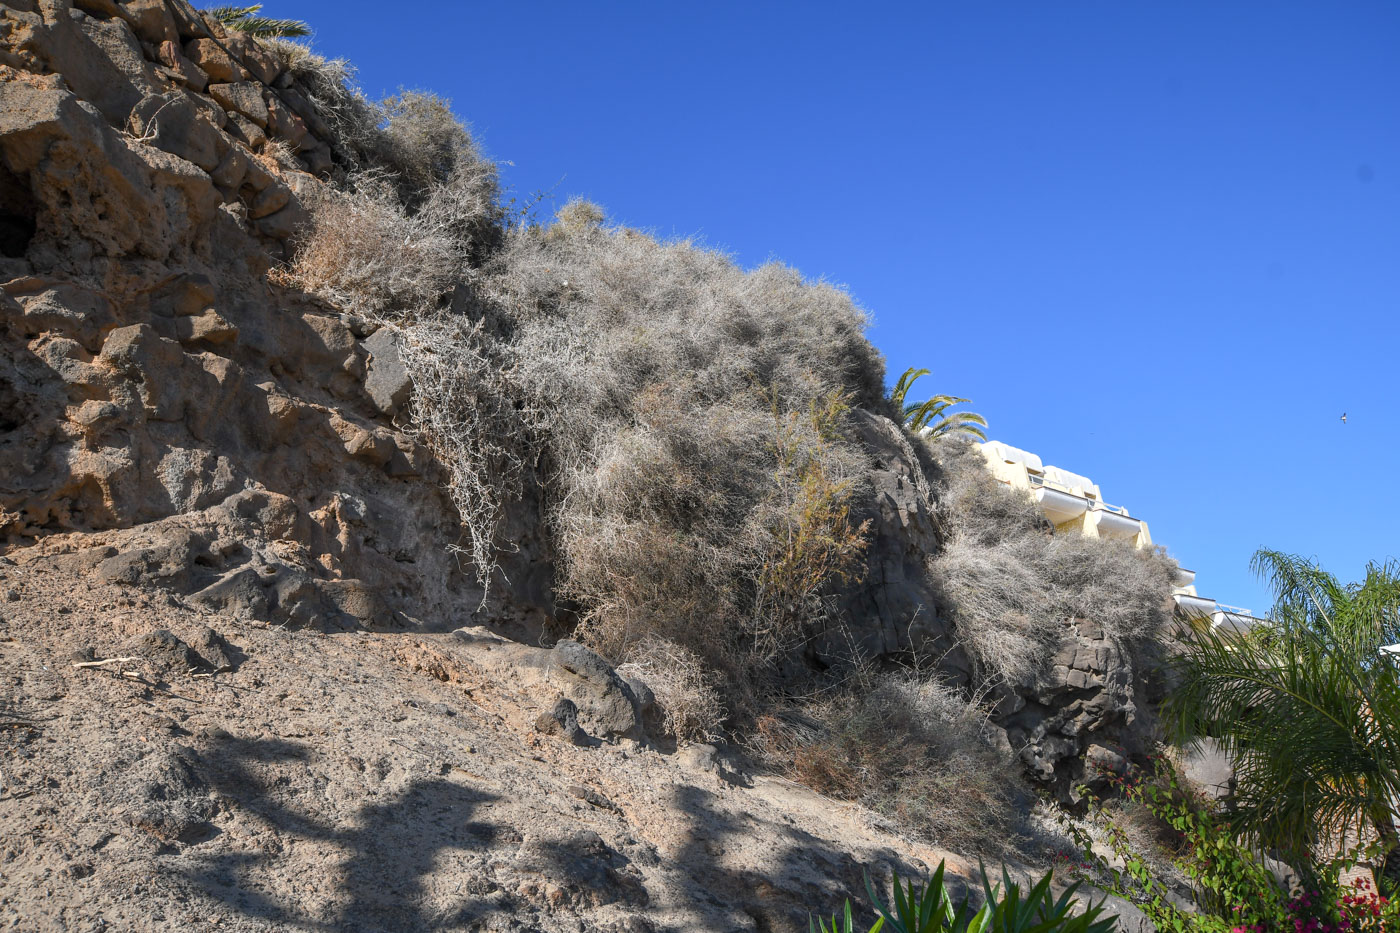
(1233, 888)
(931, 418)
(245, 19)
(1006, 908)
(1307, 707)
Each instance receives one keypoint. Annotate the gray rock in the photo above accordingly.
(285, 223)
(1130, 917)
(165, 654)
(231, 170)
(605, 702)
(388, 383)
(151, 20)
(247, 132)
(562, 720)
(1209, 768)
(270, 200)
(170, 122)
(218, 656)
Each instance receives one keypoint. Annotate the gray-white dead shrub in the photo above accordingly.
(660, 372)
(686, 690)
(465, 409)
(1011, 586)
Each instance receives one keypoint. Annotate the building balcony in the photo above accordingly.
(1061, 503)
(1233, 619)
(1195, 607)
(1112, 522)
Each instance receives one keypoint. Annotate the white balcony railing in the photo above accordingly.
(1045, 483)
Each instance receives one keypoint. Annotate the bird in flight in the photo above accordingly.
(1344, 417)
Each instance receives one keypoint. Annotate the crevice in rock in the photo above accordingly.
(12, 414)
(18, 213)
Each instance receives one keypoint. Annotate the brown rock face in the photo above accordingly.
(166, 416)
(214, 61)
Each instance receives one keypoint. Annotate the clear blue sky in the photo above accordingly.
(1157, 243)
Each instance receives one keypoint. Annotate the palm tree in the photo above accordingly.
(245, 19)
(1308, 707)
(927, 419)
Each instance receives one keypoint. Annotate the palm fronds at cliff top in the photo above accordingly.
(245, 19)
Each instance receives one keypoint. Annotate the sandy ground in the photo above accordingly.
(364, 781)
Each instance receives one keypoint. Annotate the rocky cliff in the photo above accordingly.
(168, 414)
(251, 679)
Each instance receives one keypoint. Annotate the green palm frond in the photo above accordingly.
(1308, 707)
(902, 387)
(932, 417)
(244, 19)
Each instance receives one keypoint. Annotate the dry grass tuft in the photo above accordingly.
(686, 690)
(911, 749)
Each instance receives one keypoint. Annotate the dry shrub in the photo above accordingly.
(465, 409)
(442, 177)
(811, 541)
(686, 690)
(976, 507)
(415, 207)
(330, 84)
(1010, 585)
(576, 216)
(911, 749)
(365, 253)
(1001, 607)
(692, 414)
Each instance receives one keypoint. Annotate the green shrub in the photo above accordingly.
(1006, 908)
(1235, 890)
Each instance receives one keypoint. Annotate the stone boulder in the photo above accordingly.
(606, 705)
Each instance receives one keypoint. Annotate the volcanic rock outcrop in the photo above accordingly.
(175, 419)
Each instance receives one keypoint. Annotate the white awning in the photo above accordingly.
(1002, 451)
(1058, 506)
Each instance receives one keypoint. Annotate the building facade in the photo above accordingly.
(1073, 503)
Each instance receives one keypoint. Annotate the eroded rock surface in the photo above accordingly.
(169, 416)
(211, 475)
